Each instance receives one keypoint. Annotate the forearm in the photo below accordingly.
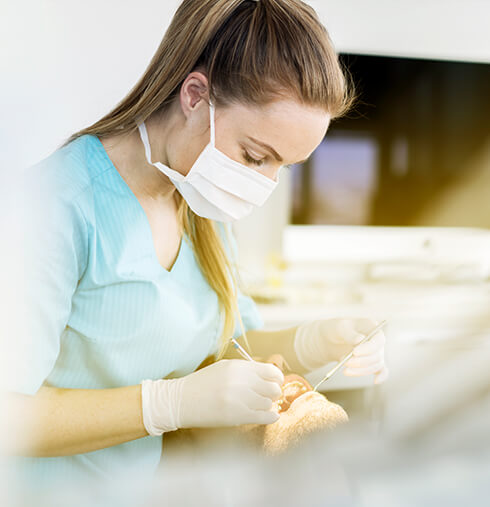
(265, 343)
(61, 422)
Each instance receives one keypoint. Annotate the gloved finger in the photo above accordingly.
(361, 361)
(255, 401)
(376, 343)
(267, 388)
(268, 371)
(381, 376)
(264, 417)
(367, 370)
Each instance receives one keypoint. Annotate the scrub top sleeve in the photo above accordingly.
(250, 315)
(246, 305)
(49, 248)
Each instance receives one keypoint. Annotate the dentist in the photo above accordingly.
(131, 293)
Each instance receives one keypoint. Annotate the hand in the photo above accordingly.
(229, 392)
(322, 341)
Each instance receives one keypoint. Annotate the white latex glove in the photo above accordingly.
(322, 341)
(229, 392)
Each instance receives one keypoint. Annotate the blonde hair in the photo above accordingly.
(252, 52)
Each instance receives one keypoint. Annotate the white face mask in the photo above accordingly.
(216, 187)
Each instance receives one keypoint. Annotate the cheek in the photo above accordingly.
(231, 149)
(184, 157)
(271, 172)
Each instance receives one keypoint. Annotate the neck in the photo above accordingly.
(128, 154)
(153, 181)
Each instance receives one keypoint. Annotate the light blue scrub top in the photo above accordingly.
(100, 311)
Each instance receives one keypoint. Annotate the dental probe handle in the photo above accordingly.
(240, 349)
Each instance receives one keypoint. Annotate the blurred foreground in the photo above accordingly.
(430, 446)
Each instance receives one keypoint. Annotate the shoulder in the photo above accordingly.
(55, 194)
(61, 186)
(67, 173)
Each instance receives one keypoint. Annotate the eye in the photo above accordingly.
(252, 160)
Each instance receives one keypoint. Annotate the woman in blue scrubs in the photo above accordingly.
(130, 292)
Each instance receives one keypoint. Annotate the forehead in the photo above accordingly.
(293, 129)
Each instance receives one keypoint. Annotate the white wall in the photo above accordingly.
(439, 29)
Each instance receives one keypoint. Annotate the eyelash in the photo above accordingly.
(254, 161)
(251, 160)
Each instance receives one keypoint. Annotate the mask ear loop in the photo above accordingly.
(211, 123)
(146, 140)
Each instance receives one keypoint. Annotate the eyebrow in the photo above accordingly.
(272, 150)
(267, 147)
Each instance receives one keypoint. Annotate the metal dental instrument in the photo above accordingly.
(241, 350)
(350, 354)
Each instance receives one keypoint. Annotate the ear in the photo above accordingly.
(194, 92)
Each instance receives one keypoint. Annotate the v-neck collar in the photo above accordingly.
(144, 217)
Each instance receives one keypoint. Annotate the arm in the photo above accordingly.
(49, 258)
(266, 343)
(61, 422)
